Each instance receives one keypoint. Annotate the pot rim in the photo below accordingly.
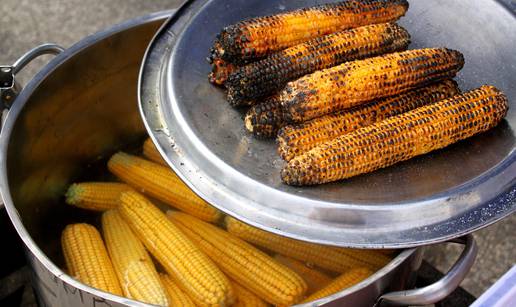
(5, 136)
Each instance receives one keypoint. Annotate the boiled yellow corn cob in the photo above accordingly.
(353, 83)
(294, 140)
(326, 257)
(161, 183)
(151, 152)
(399, 138)
(176, 296)
(263, 78)
(256, 37)
(132, 263)
(315, 279)
(98, 196)
(245, 298)
(242, 262)
(194, 272)
(264, 119)
(342, 282)
(220, 71)
(87, 259)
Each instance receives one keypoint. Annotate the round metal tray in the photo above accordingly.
(432, 198)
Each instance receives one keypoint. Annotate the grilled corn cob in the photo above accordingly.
(220, 71)
(134, 267)
(264, 119)
(87, 259)
(315, 279)
(257, 37)
(263, 78)
(242, 262)
(161, 183)
(399, 138)
(176, 296)
(98, 196)
(246, 298)
(151, 152)
(194, 272)
(353, 83)
(294, 140)
(326, 257)
(342, 282)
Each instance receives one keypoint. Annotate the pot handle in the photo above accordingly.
(9, 88)
(443, 287)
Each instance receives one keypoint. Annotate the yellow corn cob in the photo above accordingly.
(193, 271)
(87, 259)
(294, 140)
(314, 279)
(354, 83)
(161, 183)
(220, 71)
(326, 257)
(265, 77)
(264, 119)
(257, 37)
(134, 267)
(399, 138)
(342, 282)
(245, 298)
(151, 152)
(242, 262)
(176, 296)
(98, 196)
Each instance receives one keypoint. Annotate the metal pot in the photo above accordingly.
(82, 106)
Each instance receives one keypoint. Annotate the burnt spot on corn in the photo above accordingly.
(354, 83)
(264, 77)
(294, 140)
(264, 119)
(399, 138)
(220, 71)
(257, 37)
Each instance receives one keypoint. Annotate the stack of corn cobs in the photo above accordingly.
(336, 87)
(204, 257)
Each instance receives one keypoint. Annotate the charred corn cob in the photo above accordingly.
(242, 262)
(134, 267)
(315, 279)
(340, 283)
(294, 140)
(161, 183)
(176, 296)
(264, 119)
(194, 272)
(256, 37)
(263, 78)
(326, 257)
(399, 138)
(353, 83)
(246, 298)
(151, 152)
(98, 196)
(87, 259)
(220, 71)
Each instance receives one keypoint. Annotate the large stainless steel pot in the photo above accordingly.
(81, 107)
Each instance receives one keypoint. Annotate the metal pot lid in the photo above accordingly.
(428, 199)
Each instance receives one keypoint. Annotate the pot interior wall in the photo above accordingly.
(79, 115)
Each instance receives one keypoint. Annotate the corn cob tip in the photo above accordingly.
(72, 193)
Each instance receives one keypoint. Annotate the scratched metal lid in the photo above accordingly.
(428, 199)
